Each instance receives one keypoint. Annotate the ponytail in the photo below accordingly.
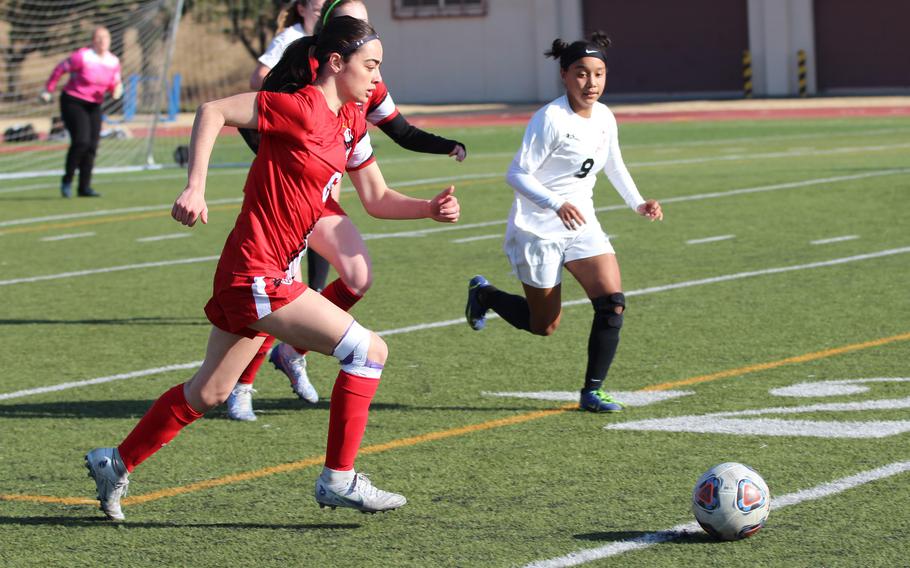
(298, 66)
(293, 71)
(569, 53)
(557, 49)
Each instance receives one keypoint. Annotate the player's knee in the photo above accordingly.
(379, 349)
(610, 309)
(361, 352)
(81, 146)
(359, 280)
(545, 327)
(206, 395)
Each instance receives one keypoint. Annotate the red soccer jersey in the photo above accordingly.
(380, 108)
(304, 149)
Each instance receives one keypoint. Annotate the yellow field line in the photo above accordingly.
(167, 213)
(774, 364)
(49, 499)
(453, 432)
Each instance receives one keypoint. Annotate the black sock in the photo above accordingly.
(514, 309)
(317, 271)
(603, 340)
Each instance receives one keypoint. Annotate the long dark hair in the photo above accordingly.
(567, 53)
(341, 35)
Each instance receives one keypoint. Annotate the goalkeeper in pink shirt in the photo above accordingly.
(94, 71)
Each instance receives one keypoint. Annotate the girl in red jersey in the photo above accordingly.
(312, 131)
(335, 239)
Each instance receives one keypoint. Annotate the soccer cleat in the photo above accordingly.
(66, 189)
(240, 403)
(599, 401)
(89, 192)
(111, 479)
(293, 364)
(474, 312)
(361, 494)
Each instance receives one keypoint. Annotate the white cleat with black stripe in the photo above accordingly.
(359, 494)
(111, 479)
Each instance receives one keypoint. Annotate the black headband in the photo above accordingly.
(358, 44)
(578, 50)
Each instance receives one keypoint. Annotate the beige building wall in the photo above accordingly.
(492, 58)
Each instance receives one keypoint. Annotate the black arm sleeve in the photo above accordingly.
(412, 138)
(251, 137)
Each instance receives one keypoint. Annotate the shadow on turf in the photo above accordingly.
(617, 536)
(100, 521)
(109, 321)
(137, 408)
(33, 198)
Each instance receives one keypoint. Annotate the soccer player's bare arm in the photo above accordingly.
(238, 110)
(385, 203)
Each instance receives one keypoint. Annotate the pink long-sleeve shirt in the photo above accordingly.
(91, 75)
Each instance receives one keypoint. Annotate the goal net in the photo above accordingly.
(171, 61)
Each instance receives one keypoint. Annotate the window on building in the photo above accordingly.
(438, 8)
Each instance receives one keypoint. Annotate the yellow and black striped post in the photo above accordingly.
(801, 71)
(747, 74)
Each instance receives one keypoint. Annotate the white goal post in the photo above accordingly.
(36, 35)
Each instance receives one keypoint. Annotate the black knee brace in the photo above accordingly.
(605, 307)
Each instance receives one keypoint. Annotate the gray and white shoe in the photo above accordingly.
(240, 403)
(111, 479)
(359, 494)
(286, 359)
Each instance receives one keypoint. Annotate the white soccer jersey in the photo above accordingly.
(558, 161)
(279, 43)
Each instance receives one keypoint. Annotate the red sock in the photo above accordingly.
(339, 294)
(164, 420)
(249, 374)
(348, 413)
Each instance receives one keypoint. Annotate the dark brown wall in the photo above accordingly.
(671, 45)
(862, 43)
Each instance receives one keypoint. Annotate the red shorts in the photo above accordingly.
(332, 208)
(240, 300)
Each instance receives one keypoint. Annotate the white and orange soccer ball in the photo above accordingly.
(731, 501)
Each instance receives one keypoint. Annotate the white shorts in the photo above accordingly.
(538, 262)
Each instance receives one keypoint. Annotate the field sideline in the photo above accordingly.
(768, 324)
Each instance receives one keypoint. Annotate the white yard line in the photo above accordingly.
(163, 237)
(710, 239)
(461, 321)
(834, 240)
(477, 238)
(107, 270)
(176, 174)
(65, 237)
(106, 212)
(165, 207)
(680, 199)
(688, 529)
(100, 380)
(767, 155)
(683, 143)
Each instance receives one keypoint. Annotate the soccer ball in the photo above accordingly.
(731, 501)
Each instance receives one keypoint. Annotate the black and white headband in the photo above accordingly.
(578, 50)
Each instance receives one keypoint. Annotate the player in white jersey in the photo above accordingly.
(295, 21)
(552, 223)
